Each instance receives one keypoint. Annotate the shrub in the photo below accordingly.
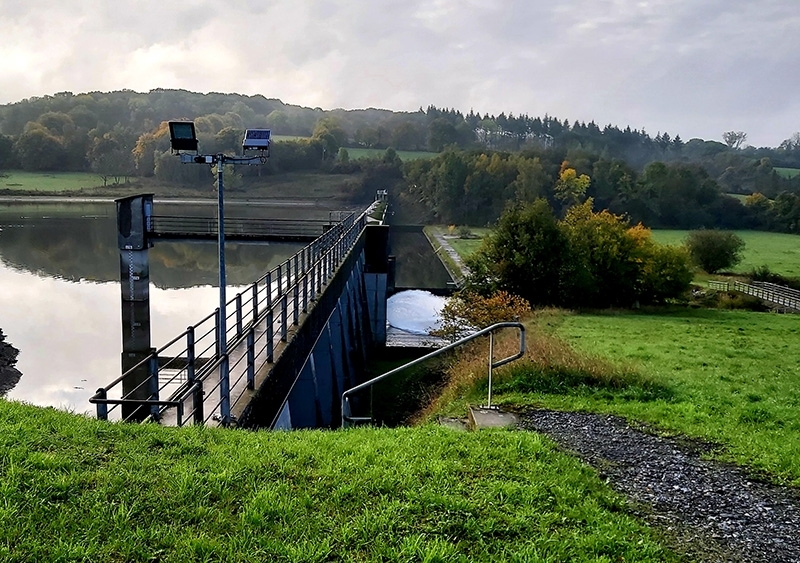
(715, 250)
(466, 312)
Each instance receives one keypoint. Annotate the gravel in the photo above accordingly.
(710, 511)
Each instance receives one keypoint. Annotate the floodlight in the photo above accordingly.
(256, 139)
(182, 136)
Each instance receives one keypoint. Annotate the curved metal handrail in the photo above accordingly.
(346, 415)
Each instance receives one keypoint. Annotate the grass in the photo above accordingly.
(725, 377)
(75, 489)
(788, 172)
(358, 152)
(464, 246)
(779, 251)
(18, 180)
(292, 186)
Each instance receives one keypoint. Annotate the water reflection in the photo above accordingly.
(60, 294)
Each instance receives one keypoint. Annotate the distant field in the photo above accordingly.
(779, 251)
(356, 152)
(788, 172)
(464, 246)
(49, 182)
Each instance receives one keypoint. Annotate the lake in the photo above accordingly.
(60, 291)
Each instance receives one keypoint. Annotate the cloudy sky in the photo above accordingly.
(695, 68)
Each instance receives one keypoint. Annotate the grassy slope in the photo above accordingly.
(75, 489)
(779, 251)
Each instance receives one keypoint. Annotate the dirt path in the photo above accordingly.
(711, 511)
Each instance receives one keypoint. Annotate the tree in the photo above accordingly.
(714, 250)
(734, 139)
(38, 149)
(525, 255)
(570, 188)
(466, 312)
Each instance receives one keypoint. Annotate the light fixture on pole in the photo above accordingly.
(183, 138)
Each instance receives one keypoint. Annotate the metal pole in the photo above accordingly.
(224, 387)
(491, 353)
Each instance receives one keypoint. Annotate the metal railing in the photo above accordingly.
(190, 368)
(348, 419)
(246, 228)
(773, 293)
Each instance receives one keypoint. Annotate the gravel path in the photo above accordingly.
(712, 511)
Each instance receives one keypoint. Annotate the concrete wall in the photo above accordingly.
(327, 352)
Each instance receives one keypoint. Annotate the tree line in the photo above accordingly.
(475, 187)
(484, 161)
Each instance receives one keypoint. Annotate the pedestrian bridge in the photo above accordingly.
(294, 340)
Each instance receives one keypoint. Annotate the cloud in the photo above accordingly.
(692, 67)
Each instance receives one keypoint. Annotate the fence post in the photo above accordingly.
(224, 392)
(251, 359)
(152, 369)
(270, 336)
(255, 302)
(217, 334)
(279, 275)
(288, 273)
(296, 306)
(238, 315)
(102, 408)
(284, 317)
(305, 292)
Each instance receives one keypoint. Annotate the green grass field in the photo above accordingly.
(19, 180)
(463, 246)
(728, 378)
(733, 376)
(357, 152)
(75, 489)
(788, 172)
(779, 251)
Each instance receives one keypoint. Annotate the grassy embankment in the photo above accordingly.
(75, 489)
(726, 377)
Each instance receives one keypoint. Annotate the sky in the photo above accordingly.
(696, 68)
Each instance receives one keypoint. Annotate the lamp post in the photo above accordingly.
(183, 137)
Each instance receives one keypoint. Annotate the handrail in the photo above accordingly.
(267, 298)
(346, 415)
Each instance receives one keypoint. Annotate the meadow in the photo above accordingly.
(19, 180)
(787, 172)
(779, 251)
(76, 489)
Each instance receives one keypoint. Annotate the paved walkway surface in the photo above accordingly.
(445, 247)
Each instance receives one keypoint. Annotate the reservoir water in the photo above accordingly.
(60, 290)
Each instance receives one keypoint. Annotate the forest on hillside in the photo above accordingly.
(483, 162)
